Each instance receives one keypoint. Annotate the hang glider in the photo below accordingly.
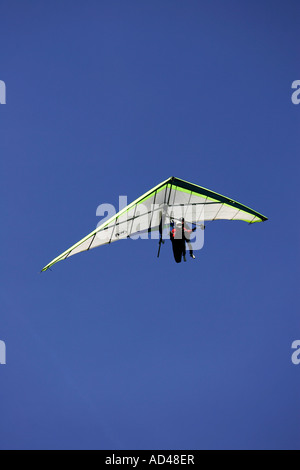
(171, 199)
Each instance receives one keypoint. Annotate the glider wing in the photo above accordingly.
(172, 198)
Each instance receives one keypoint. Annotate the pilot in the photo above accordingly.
(180, 233)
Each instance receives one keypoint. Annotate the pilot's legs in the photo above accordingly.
(184, 252)
(191, 250)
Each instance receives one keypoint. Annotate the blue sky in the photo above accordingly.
(115, 349)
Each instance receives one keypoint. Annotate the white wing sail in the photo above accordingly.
(171, 199)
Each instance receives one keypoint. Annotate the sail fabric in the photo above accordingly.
(170, 200)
